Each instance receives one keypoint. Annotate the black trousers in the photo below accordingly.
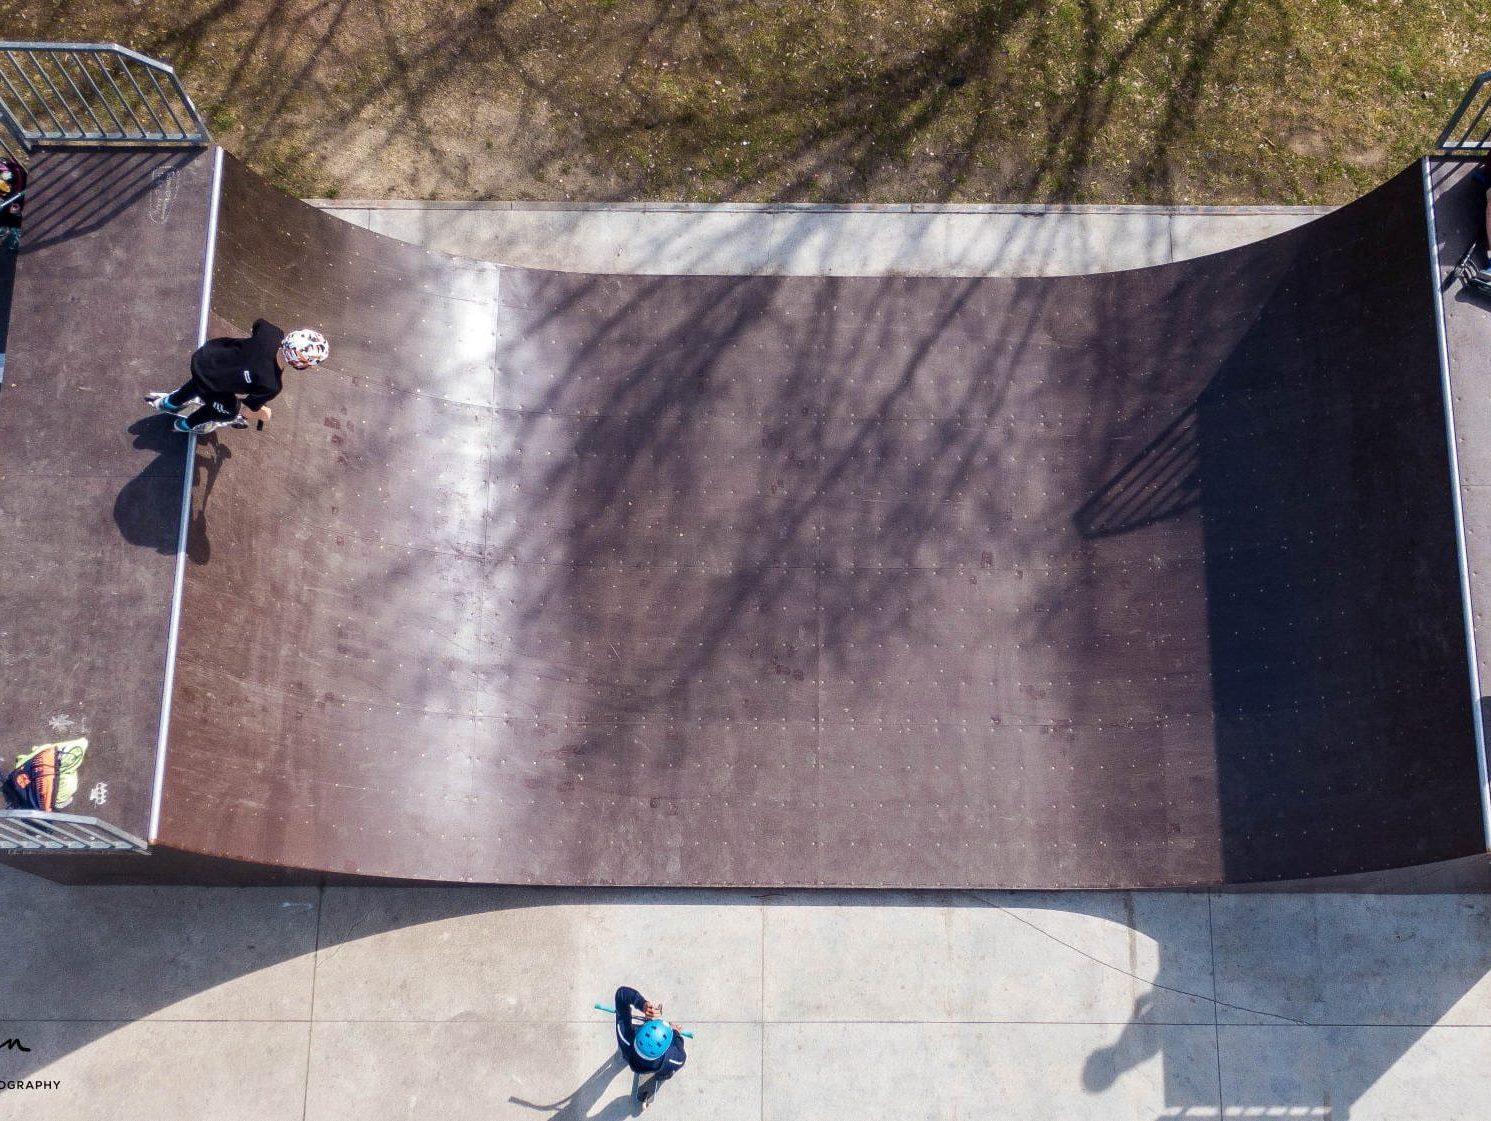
(215, 405)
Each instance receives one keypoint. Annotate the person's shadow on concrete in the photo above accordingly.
(576, 1105)
(147, 509)
(1137, 1043)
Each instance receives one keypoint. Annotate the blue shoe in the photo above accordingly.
(180, 425)
(162, 401)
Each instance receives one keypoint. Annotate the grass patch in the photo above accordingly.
(1172, 101)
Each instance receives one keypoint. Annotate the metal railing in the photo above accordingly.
(39, 831)
(91, 93)
(1469, 129)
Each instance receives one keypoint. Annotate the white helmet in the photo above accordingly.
(303, 348)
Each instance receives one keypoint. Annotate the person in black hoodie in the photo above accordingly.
(229, 371)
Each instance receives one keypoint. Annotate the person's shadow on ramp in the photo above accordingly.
(576, 1105)
(147, 509)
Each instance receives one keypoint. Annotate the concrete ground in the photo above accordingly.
(321, 1005)
(374, 1004)
(809, 240)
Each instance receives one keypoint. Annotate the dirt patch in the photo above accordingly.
(1373, 157)
(816, 100)
(1312, 143)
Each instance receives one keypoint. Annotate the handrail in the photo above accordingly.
(43, 831)
(1469, 128)
(91, 93)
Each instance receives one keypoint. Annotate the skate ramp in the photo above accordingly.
(1132, 580)
(1144, 579)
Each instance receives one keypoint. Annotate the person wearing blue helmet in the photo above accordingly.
(652, 1047)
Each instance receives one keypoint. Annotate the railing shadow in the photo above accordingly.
(1161, 482)
(86, 189)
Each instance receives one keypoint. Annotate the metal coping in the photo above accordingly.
(1462, 558)
(209, 257)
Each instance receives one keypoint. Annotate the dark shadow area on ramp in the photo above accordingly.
(1460, 223)
(1337, 635)
(1160, 482)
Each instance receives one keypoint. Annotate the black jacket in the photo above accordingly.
(246, 368)
(665, 1067)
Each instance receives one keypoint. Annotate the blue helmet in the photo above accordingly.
(653, 1039)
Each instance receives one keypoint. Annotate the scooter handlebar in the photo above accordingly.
(612, 1011)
